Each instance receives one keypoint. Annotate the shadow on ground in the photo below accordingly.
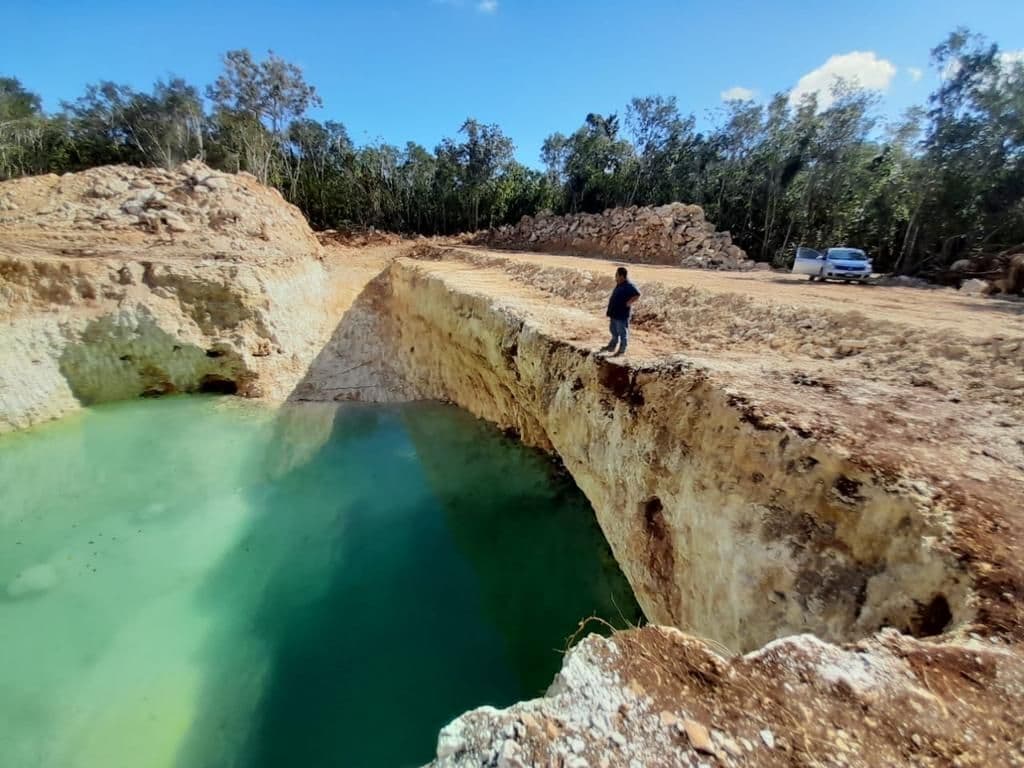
(353, 364)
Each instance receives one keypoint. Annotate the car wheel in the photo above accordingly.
(812, 278)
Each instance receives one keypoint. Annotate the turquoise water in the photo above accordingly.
(204, 582)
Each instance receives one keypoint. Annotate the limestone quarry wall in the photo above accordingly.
(119, 282)
(726, 526)
(675, 234)
(736, 528)
(122, 329)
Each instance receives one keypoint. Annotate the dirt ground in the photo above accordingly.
(932, 308)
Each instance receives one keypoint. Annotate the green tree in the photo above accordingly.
(664, 142)
(598, 166)
(255, 101)
(17, 103)
(480, 157)
(167, 125)
(99, 127)
(974, 151)
(30, 142)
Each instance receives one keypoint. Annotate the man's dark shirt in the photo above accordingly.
(618, 309)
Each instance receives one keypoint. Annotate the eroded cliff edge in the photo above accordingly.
(724, 523)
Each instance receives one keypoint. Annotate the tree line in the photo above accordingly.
(943, 182)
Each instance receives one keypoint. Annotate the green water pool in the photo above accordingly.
(204, 582)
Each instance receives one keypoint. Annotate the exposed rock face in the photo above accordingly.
(735, 517)
(676, 234)
(724, 522)
(119, 282)
(657, 697)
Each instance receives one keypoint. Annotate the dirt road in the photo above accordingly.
(933, 309)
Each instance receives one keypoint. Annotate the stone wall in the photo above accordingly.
(675, 234)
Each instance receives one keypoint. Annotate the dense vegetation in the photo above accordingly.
(947, 180)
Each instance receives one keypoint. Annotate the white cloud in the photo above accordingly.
(1010, 61)
(916, 73)
(738, 93)
(487, 6)
(1006, 60)
(861, 68)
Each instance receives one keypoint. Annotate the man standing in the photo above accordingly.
(622, 298)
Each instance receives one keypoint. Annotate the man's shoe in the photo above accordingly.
(620, 353)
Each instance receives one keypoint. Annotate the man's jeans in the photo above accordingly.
(620, 334)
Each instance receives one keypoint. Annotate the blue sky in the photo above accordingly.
(414, 69)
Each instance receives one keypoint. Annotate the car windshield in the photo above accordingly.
(848, 254)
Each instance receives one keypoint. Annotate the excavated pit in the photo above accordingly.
(727, 525)
(768, 460)
(233, 584)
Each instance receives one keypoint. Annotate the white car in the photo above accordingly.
(834, 264)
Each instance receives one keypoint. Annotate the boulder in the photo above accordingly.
(974, 287)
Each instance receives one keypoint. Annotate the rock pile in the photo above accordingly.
(191, 206)
(676, 234)
(358, 237)
(987, 273)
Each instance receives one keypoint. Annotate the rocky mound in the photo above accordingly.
(358, 237)
(191, 207)
(675, 234)
(120, 281)
(992, 272)
(656, 697)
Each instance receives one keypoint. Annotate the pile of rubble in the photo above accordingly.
(988, 273)
(675, 234)
(358, 237)
(191, 206)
